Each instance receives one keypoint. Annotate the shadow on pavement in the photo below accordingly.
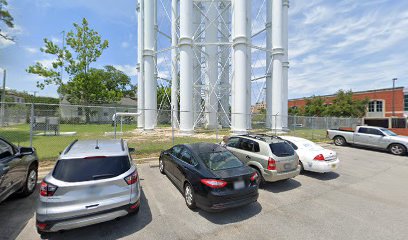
(281, 186)
(322, 176)
(15, 213)
(232, 215)
(114, 229)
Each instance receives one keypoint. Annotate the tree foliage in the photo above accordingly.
(6, 19)
(343, 105)
(84, 47)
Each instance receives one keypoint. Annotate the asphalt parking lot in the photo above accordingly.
(365, 198)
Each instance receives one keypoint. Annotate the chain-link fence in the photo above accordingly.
(51, 127)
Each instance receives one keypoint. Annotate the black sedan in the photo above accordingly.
(209, 176)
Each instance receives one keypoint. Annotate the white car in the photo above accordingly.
(313, 157)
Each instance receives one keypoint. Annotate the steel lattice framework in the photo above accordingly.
(218, 56)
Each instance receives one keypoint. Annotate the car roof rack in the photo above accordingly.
(260, 136)
(70, 146)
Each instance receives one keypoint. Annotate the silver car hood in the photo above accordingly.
(399, 138)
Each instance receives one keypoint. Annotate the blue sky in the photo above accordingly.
(334, 44)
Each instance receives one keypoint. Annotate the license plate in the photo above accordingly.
(239, 185)
(287, 166)
(333, 166)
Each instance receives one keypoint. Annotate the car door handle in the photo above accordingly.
(92, 206)
(247, 157)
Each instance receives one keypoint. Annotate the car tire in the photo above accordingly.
(302, 169)
(189, 196)
(398, 149)
(30, 182)
(161, 166)
(339, 141)
(261, 180)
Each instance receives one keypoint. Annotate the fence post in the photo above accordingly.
(31, 124)
(114, 123)
(216, 128)
(172, 124)
(312, 129)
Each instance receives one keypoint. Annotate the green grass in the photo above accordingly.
(49, 147)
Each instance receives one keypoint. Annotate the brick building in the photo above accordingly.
(380, 105)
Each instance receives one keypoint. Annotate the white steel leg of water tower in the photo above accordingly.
(186, 67)
(239, 109)
(174, 64)
(268, 58)
(197, 64)
(149, 66)
(140, 68)
(211, 36)
(285, 65)
(249, 63)
(224, 88)
(277, 76)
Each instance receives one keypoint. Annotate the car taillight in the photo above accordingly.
(47, 189)
(132, 178)
(254, 177)
(319, 157)
(41, 226)
(271, 164)
(214, 183)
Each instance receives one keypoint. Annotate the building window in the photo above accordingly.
(371, 106)
(379, 106)
(406, 102)
(375, 106)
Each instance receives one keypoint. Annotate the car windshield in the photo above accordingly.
(282, 149)
(88, 169)
(220, 160)
(388, 132)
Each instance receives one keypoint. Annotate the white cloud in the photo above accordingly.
(31, 50)
(127, 69)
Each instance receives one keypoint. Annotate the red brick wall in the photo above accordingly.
(385, 95)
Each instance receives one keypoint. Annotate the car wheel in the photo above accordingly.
(398, 149)
(161, 166)
(260, 181)
(30, 183)
(189, 196)
(302, 169)
(339, 141)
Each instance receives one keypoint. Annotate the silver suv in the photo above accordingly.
(273, 158)
(93, 181)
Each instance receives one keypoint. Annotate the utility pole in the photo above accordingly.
(3, 98)
(393, 96)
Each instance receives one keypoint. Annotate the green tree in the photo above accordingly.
(6, 19)
(84, 46)
(315, 106)
(345, 106)
(97, 86)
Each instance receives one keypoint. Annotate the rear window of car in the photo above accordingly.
(88, 169)
(220, 160)
(282, 149)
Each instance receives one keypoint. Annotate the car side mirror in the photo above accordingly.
(25, 151)
(132, 150)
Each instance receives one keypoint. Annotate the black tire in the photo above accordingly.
(261, 180)
(302, 169)
(30, 182)
(397, 149)
(188, 189)
(161, 166)
(339, 141)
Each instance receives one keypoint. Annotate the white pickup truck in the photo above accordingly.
(373, 137)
